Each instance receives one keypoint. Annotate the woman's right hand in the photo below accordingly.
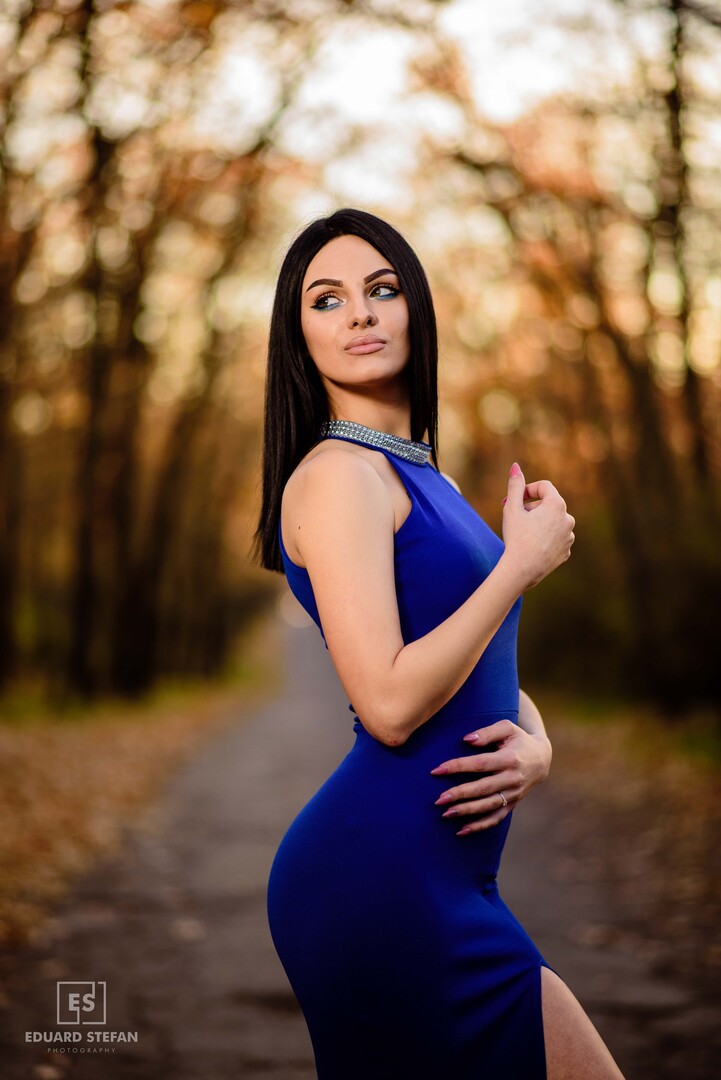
(538, 537)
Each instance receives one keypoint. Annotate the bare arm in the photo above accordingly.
(530, 719)
(344, 532)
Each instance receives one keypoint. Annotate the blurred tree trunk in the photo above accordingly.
(114, 374)
(669, 229)
(94, 541)
(136, 656)
(16, 248)
(10, 483)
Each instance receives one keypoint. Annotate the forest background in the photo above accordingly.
(561, 182)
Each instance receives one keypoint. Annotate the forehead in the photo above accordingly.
(346, 258)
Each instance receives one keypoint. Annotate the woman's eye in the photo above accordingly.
(389, 291)
(322, 302)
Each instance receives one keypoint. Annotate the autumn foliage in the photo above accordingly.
(156, 160)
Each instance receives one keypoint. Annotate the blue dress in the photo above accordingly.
(405, 960)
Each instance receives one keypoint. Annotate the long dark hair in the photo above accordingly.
(295, 399)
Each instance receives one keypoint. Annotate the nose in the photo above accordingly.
(360, 313)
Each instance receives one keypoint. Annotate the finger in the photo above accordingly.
(486, 822)
(528, 504)
(516, 486)
(500, 729)
(475, 763)
(541, 489)
(480, 789)
(489, 805)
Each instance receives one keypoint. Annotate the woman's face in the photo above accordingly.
(353, 315)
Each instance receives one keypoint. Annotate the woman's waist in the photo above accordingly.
(402, 775)
(488, 689)
(444, 731)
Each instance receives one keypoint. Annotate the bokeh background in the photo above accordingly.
(561, 181)
(557, 167)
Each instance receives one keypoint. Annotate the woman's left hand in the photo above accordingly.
(519, 762)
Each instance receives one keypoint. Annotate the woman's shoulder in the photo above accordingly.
(327, 474)
(330, 461)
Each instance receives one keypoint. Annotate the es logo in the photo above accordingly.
(81, 1002)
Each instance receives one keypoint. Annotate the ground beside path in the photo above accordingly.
(176, 923)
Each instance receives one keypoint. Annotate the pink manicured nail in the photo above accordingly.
(462, 832)
(445, 797)
(451, 812)
(439, 770)
(504, 500)
(473, 737)
(516, 469)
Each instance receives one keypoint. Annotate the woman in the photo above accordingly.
(386, 914)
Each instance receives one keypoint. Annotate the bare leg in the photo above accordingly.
(574, 1049)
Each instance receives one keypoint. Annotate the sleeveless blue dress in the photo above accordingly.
(404, 959)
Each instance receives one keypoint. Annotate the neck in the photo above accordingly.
(393, 419)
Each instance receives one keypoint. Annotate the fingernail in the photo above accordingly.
(473, 737)
(504, 500)
(439, 770)
(462, 832)
(451, 812)
(445, 797)
(516, 469)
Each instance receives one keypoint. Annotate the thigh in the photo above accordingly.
(573, 1046)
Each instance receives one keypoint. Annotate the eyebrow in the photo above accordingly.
(339, 284)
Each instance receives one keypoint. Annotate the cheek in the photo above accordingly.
(309, 333)
(318, 334)
(401, 320)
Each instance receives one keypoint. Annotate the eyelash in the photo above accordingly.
(378, 285)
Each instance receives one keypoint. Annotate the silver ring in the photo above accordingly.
(505, 800)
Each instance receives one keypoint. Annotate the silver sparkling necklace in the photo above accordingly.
(417, 452)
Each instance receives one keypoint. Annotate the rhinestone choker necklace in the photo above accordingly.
(417, 452)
